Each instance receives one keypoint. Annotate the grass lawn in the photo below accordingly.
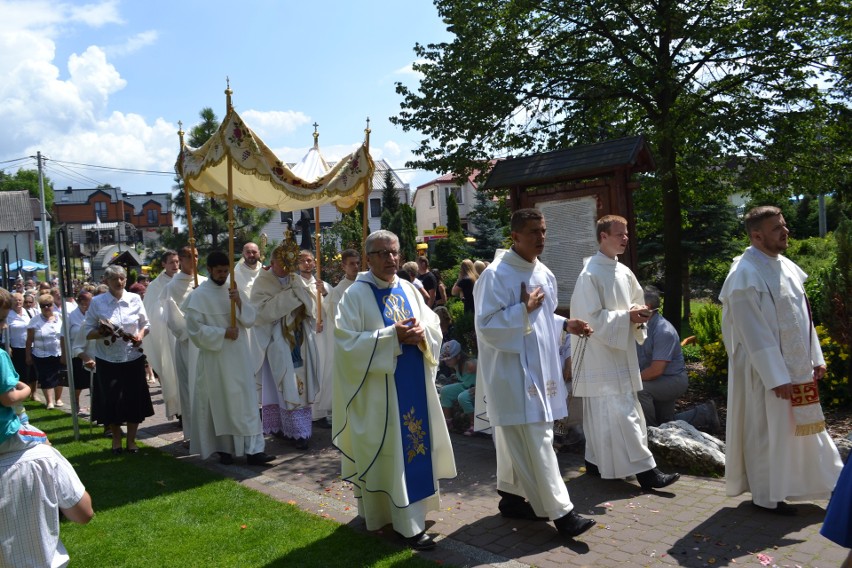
(153, 510)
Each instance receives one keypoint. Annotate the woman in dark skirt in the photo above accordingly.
(118, 322)
(80, 360)
(44, 334)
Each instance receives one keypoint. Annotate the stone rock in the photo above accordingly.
(681, 444)
(844, 446)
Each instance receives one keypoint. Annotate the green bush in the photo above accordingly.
(715, 378)
(834, 387)
(706, 324)
(691, 353)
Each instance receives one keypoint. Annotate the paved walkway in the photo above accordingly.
(693, 524)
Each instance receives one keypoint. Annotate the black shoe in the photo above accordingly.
(260, 458)
(420, 541)
(573, 524)
(592, 469)
(656, 479)
(783, 509)
(301, 444)
(180, 421)
(322, 423)
(225, 458)
(516, 507)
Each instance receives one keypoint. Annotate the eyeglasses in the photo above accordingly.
(385, 253)
(45, 306)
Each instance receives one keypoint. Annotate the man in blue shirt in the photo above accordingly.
(664, 377)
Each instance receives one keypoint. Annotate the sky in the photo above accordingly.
(105, 82)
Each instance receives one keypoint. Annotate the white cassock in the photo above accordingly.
(157, 345)
(608, 376)
(366, 414)
(763, 454)
(286, 396)
(520, 371)
(224, 403)
(325, 344)
(245, 277)
(184, 353)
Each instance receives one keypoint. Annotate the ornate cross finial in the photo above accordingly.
(316, 135)
(180, 128)
(315, 126)
(368, 123)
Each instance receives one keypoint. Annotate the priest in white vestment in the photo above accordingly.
(245, 272)
(394, 442)
(521, 374)
(157, 344)
(224, 411)
(608, 296)
(183, 352)
(777, 445)
(288, 354)
(322, 341)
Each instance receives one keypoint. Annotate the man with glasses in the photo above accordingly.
(387, 418)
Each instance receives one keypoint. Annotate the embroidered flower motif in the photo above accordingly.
(551, 389)
(415, 435)
(532, 390)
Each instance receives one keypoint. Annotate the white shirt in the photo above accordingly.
(18, 328)
(126, 313)
(46, 342)
(36, 483)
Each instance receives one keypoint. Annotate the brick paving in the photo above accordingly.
(691, 523)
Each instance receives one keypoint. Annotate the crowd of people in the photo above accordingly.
(281, 352)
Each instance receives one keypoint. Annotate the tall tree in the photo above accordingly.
(390, 203)
(544, 74)
(453, 217)
(486, 228)
(210, 216)
(407, 232)
(27, 180)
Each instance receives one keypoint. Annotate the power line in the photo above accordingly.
(114, 169)
(16, 160)
(70, 172)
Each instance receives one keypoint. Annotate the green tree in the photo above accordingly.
(453, 217)
(486, 228)
(210, 216)
(696, 76)
(408, 232)
(835, 309)
(390, 204)
(27, 180)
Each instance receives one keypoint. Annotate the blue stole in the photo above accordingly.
(410, 381)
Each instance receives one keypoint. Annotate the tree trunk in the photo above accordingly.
(673, 288)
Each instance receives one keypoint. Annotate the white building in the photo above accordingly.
(430, 204)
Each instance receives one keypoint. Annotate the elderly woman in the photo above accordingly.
(43, 349)
(17, 321)
(120, 390)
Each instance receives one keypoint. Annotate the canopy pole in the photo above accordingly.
(228, 94)
(319, 266)
(368, 189)
(186, 191)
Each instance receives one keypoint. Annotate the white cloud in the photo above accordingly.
(133, 44)
(49, 17)
(94, 78)
(270, 124)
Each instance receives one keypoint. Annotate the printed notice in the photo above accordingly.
(570, 239)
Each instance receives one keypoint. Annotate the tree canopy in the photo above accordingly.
(28, 180)
(702, 79)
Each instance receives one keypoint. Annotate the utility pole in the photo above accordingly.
(45, 240)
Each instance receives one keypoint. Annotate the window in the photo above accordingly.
(286, 216)
(457, 193)
(375, 207)
(432, 197)
(153, 216)
(101, 210)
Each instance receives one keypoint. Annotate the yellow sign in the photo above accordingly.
(436, 231)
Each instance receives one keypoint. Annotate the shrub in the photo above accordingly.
(691, 353)
(706, 324)
(834, 387)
